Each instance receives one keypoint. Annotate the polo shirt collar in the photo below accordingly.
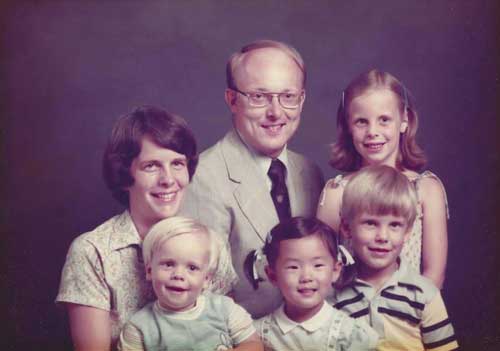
(310, 325)
(396, 277)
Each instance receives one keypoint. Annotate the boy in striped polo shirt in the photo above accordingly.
(379, 206)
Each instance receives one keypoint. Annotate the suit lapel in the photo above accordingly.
(298, 186)
(251, 192)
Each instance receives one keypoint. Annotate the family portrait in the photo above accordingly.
(265, 175)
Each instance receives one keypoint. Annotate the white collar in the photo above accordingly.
(396, 276)
(191, 314)
(310, 325)
(263, 161)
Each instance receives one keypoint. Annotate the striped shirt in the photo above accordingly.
(408, 312)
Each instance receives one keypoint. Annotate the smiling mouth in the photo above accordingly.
(166, 197)
(374, 146)
(176, 289)
(307, 291)
(274, 128)
(379, 251)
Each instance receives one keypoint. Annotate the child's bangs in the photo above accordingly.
(389, 204)
(379, 198)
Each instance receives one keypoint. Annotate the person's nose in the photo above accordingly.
(178, 273)
(274, 109)
(165, 177)
(382, 234)
(305, 274)
(372, 130)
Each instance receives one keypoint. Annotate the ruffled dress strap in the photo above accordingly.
(332, 183)
(336, 323)
(429, 174)
(263, 329)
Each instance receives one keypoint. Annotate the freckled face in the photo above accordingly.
(179, 270)
(160, 176)
(267, 129)
(375, 123)
(304, 273)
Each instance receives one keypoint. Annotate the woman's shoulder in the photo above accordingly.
(426, 177)
(429, 188)
(334, 188)
(99, 237)
(339, 181)
(426, 182)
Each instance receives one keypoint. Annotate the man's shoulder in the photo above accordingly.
(299, 158)
(225, 157)
(228, 143)
(308, 169)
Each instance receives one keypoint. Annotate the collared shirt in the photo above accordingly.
(104, 269)
(264, 162)
(311, 325)
(408, 312)
(328, 329)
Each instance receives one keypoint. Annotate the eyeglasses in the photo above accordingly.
(261, 99)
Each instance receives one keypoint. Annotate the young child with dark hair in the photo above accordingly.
(379, 206)
(304, 260)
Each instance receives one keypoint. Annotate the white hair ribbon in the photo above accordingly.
(344, 256)
(259, 262)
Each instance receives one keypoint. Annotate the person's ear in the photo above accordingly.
(271, 274)
(208, 279)
(230, 97)
(404, 126)
(148, 272)
(337, 269)
(407, 233)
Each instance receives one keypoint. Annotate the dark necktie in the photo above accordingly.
(279, 192)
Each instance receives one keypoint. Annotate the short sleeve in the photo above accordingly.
(82, 280)
(240, 323)
(437, 331)
(131, 339)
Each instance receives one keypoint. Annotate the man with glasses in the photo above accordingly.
(249, 181)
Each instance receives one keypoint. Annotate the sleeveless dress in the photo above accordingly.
(412, 249)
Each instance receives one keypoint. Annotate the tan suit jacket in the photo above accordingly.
(229, 194)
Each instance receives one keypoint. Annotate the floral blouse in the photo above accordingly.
(104, 269)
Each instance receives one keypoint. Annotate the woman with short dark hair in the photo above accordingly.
(150, 158)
